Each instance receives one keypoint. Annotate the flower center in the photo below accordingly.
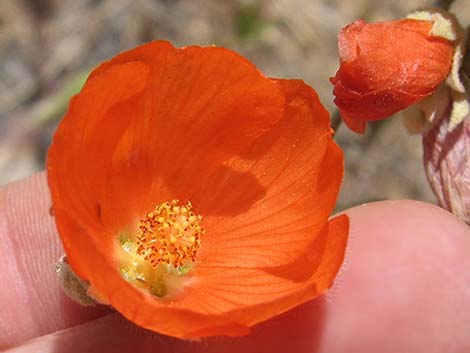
(163, 250)
(170, 234)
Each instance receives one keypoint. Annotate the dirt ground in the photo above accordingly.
(47, 48)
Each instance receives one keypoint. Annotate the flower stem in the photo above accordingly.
(336, 120)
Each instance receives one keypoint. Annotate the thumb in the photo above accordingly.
(403, 288)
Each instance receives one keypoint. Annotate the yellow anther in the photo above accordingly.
(170, 234)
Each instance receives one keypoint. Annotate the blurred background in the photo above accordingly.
(48, 47)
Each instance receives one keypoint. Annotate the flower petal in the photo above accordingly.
(355, 124)
(77, 158)
(373, 105)
(249, 296)
(184, 130)
(186, 127)
(222, 300)
(287, 181)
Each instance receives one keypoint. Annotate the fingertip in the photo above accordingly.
(404, 285)
(31, 300)
(403, 288)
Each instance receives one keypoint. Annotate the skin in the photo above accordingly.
(404, 288)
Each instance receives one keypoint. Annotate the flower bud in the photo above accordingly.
(388, 66)
(446, 152)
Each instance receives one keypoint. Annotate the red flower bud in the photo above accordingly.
(386, 67)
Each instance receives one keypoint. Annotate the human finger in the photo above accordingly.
(31, 301)
(403, 288)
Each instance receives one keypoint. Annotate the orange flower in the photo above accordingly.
(193, 193)
(386, 67)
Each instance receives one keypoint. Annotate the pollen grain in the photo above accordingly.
(170, 234)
